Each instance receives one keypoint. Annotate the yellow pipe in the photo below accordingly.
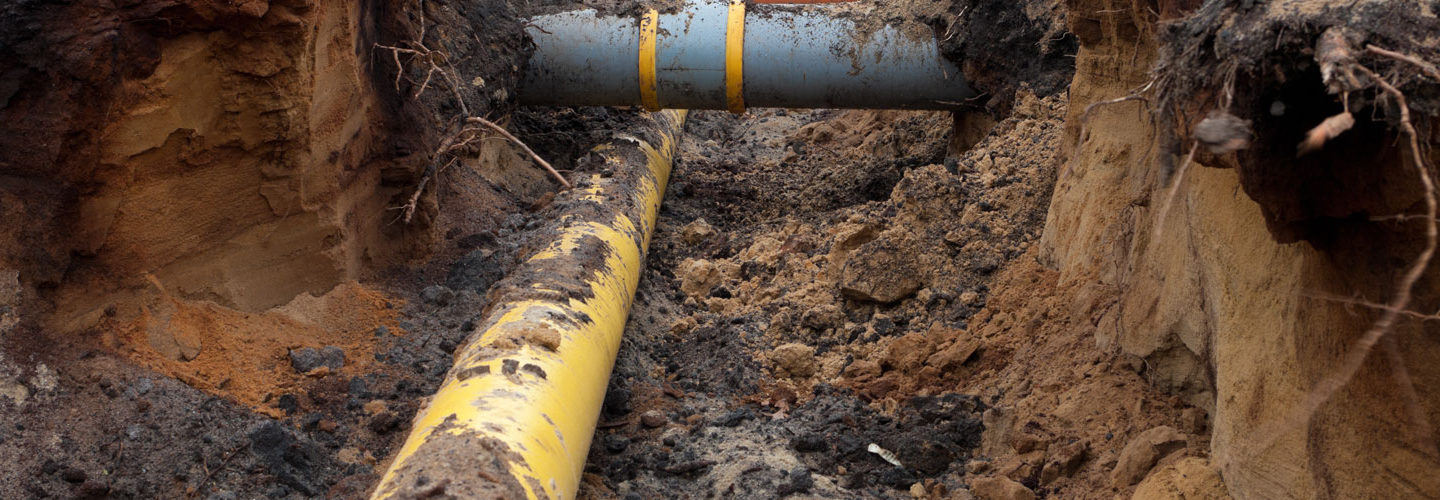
(649, 83)
(516, 412)
(735, 57)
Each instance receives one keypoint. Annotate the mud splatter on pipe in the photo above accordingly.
(516, 412)
(719, 55)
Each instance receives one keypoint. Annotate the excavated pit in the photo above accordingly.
(210, 285)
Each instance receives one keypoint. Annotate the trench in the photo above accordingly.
(967, 299)
(730, 379)
(707, 56)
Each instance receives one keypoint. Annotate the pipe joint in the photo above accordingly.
(725, 55)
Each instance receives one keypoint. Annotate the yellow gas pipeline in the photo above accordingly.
(516, 412)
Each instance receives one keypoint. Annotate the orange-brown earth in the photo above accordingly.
(245, 356)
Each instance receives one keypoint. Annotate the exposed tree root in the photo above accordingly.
(541, 161)
(1423, 435)
(408, 209)
(437, 62)
(1425, 68)
(1137, 95)
(1390, 312)
(1365, 304)
(1174, 190)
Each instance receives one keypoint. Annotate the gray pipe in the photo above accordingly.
(792, 58)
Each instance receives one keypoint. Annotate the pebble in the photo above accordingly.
(139, 388)
(883, 326)
(311, 420)
(794, 360)
(437, 295)
(357, 388)
(734, 418)
(797, 481)
(305, 359)
(617, 402)
(652, 419)
(333, 357)
(1142, 452)
(385, 422)
(616, 443)
(288, 402)
(808, 443)
(696, 232)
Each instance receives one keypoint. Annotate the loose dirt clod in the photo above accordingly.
(1224, 133)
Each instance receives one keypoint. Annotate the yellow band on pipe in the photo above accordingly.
(735, 58)
(649, 29)
(524, 394)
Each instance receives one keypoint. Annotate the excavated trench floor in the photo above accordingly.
(821, 284)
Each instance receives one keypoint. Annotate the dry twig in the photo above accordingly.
(544, 164)
(209, 474)
(1425, 67)
(1419, 423)
(1085, 120)
(1174, 190)
(1352, 301)
(414, 200)
(1329, 129)
(437, 61)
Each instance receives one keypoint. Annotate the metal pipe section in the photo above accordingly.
(515, 414)
(718, 55)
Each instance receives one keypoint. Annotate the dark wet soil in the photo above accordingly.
(700, 407)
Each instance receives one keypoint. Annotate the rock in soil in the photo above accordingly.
(999, 488)
(1141, 453)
